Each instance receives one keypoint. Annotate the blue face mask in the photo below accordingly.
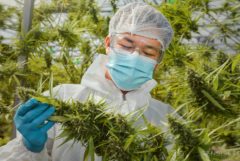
(129, 70)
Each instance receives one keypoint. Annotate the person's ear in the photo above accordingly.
(107, 44)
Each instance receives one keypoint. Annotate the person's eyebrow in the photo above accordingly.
(128, 39)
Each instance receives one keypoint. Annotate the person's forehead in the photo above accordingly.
(140, 39)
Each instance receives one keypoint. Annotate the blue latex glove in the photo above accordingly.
(30, 120)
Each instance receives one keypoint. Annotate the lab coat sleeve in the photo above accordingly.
(15, 150)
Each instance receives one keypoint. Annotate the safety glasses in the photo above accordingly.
(128, 43)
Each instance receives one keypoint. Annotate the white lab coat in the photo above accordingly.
(95, 84)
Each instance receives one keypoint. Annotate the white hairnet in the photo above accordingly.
(142, 19)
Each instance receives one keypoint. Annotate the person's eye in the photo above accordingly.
(126, 47)
(148, 54)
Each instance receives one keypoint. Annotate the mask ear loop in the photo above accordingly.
(159, 60)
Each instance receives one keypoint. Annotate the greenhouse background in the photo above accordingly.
(199, 75)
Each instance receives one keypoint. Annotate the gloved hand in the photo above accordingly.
(30, 120)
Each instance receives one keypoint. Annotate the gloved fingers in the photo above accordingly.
(47, 126)
(35, 112)
(31, 147)
(43, 117)
(24, 108)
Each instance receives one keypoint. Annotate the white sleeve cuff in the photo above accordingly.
(15, 150)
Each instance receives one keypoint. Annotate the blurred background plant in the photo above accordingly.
(199, 75)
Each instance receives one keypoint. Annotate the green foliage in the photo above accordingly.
(206, 97)
(202, 81)
(191, 143)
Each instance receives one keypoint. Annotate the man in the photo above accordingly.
(138, 37)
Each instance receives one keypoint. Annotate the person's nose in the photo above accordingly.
(137, 51)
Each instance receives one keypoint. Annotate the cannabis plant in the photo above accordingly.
(109, 135)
